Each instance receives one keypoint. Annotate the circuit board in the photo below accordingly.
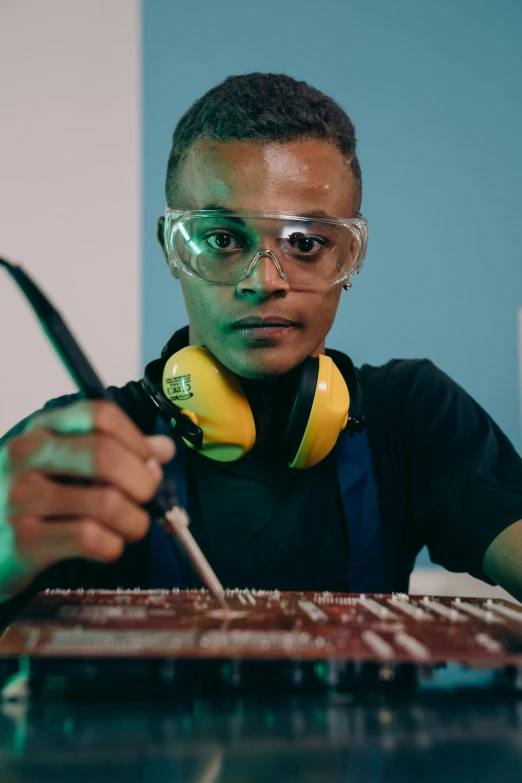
(267, 625)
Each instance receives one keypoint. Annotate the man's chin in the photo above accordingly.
(261, 367)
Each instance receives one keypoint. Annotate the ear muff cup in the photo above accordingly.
(195, 381)
(319, 413)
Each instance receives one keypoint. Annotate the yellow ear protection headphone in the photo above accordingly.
(204, 403)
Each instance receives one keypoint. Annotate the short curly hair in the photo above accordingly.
(263, 107)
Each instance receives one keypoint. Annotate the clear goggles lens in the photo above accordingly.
(223, 247)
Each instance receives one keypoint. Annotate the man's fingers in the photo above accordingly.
(89, 416)
(74, 419)
(105, 418)
(92, 540)
(86, 456)
(37, 495)
(162, 448)
(42, 450)
(110, 420)
(79, 537)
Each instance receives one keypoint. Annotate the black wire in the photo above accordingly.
(79, 367)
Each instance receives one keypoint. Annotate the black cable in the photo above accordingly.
(79, 367)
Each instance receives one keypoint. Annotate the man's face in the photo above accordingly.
(297, 177)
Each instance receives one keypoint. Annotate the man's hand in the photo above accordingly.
(43, 521)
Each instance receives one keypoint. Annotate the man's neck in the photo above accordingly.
(271, 402)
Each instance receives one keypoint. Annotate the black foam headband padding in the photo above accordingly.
(179, 340)
(301, 409)
(349, 373)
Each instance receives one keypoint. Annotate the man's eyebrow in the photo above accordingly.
(214, 206)
(224, 210)
(315, 213)
(312, 214)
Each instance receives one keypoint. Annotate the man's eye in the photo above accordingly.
(306, 244)
(220, 240)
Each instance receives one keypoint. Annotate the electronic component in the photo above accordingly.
(268, 625)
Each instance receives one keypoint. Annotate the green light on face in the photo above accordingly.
(194, 247)
(191, 243)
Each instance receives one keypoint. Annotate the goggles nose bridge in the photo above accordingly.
(260, 253)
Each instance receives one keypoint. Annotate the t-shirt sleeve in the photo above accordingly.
(466, 477)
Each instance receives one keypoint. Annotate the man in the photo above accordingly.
(430, 468)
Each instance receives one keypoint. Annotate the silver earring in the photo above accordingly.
(347, 286)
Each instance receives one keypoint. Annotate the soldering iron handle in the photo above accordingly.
(80, 369)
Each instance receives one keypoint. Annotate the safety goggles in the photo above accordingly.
(223, 246)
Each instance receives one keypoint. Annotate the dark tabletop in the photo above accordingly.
(449, 729)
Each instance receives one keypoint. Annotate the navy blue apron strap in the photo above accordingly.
(367, 568)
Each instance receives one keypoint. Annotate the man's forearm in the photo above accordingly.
(503, 560)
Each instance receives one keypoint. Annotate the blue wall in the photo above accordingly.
(434, 92)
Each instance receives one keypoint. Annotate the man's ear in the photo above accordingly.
(160, 234)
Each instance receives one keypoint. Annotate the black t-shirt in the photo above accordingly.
(446, 477)
(262, 524)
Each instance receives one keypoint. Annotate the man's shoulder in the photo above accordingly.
(397, 374)
(403, 391)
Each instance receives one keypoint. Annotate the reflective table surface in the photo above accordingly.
(438, 732)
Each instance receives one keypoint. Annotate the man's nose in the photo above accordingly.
(265, 275)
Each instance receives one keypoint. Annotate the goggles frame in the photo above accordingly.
(358, 226)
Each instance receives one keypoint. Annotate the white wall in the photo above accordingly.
(70, 210)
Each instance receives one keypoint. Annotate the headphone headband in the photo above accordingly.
(179, 340)
(346, 367)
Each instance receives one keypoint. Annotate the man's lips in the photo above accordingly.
(262, 329)
(255, 322)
